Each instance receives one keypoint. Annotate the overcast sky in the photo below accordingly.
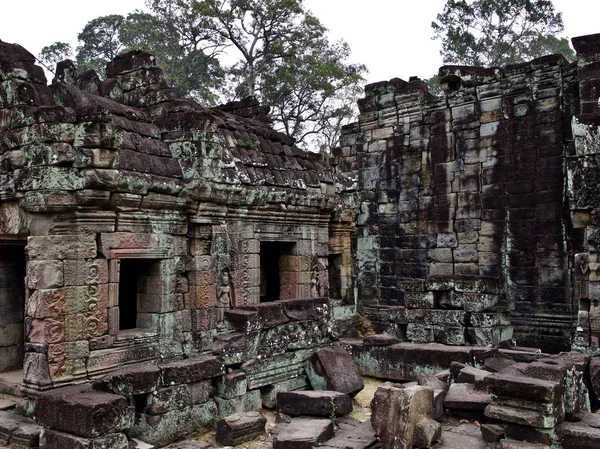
(391, 37)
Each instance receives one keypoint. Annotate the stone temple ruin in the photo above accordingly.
(164, 266)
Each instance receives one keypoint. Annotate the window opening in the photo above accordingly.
(272, 258)
(12, 306)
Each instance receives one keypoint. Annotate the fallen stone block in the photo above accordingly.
(526, 355)
(537, 435)
(305, 309)
(304, 433)
(380, 340)
(579, 435)
(190, 370)
(427, 432)
(511, 444)
(135, 443)
(270, 314)
(465, 398)
(243, 320)
(440, 390)
(473, 376)
(396, 411)
(169, 427)
(232, 385)
(191, 444)
(522, 416)
(526, 388)
(491, 432)
(455, 368)
(52, 439)
(133, 380)
(269, 394)
(361, 437)
(251, 401)
(432, 381)
(270, 370)
(404, 361)
(314, 403)
(239, 428)
(166, 399)
(81, 411)
(236, 347)
(18, 431)
(333, 369)
(497, 364)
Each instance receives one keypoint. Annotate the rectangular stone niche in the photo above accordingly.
(137, 291)
(12, 305)
(277, 271)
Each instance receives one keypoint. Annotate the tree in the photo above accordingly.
(275, 50)
(182, 50)
(53, 54)
(314, 93)
(280, 54)
(498, 32)
(178, 52)
(100, 42)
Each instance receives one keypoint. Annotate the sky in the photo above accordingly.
(391, 37)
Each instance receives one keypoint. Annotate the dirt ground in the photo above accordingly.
(361, 411)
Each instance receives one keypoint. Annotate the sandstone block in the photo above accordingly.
(232, 385)
(580, 435)
(44, 274)
(380, 340)
(17, 431)
(525, 388)
(333, 369)
(133, 380)
(250, 402)
(427, 432)
(304, 433)
(239, 428)
(396, 411)
(269, 394)
(314, 403)
(190, 370)
(61, 247)
(83, 412)
(491, 432)
(52, 439)
(464, 397)
(163, 429)
(520, 415)
(360, 437)
(511, 444)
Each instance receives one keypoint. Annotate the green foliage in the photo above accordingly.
(313, 93)
(433, 84)
(498, 32)
(184, 54)
(99, 42)
(275, 50)
(53, 54)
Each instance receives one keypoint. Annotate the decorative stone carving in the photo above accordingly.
(224, 298)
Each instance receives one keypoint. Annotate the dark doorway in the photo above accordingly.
(271, 259)
(335, 276)
(12, 305)
(137, 277)
(129, 271)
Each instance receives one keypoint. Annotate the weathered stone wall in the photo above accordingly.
(135, 201)
(583, 174)
(461, 230)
